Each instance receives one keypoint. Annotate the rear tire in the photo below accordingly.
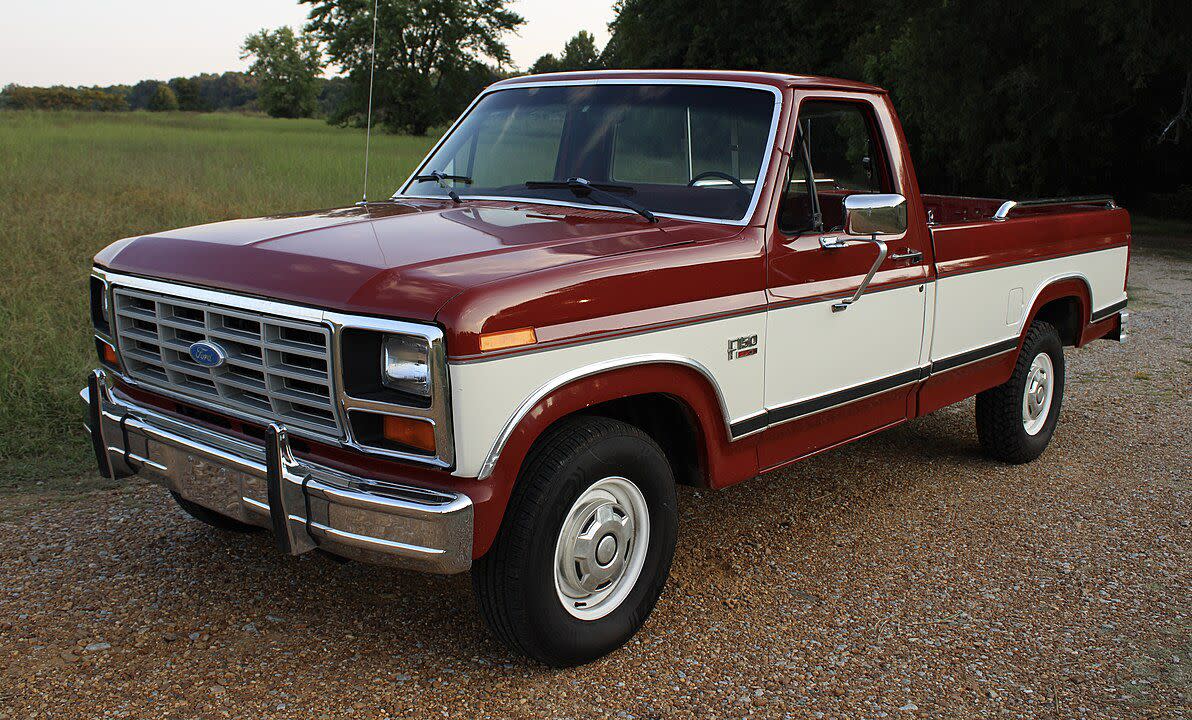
(585, 546)
(212, 518)
(1015, 420)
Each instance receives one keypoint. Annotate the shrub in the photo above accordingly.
(163, 99)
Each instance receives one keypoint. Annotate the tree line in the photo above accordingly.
(208, 92)
(1013, 97)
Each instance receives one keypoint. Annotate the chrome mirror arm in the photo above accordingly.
(834, 243)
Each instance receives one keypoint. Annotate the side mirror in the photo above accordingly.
(866, 217)
(875, 214)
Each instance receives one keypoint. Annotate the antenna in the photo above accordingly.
(371, 75)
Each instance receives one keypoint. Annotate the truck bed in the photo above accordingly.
(997, 262)
(971, 234)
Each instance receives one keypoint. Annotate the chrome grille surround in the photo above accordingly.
(273, 314)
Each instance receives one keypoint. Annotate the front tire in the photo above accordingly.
(586, 544)
(1015, 420)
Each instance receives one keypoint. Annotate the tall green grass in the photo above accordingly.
(71, 183)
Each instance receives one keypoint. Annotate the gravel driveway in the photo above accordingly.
(903, 576)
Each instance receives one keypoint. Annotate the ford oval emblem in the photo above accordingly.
(208, 354)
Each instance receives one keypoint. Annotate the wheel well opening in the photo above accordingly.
(1064, 314)
(670, 423)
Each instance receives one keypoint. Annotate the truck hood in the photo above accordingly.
(394, 259)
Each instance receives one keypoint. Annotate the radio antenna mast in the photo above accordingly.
(372, 72)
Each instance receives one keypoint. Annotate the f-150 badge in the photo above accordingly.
(742, 347)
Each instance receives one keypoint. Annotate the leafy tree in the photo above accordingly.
(432, 55)
(761, 35)
(189, 94)
(163, 99)
(333, 93)
(1042, 113)
(1010, 98)
(140, 94)
(287, 68)
(579, 53)
(227, 91)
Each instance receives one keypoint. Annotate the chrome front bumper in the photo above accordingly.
(306, 505)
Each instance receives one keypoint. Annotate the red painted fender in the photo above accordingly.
(721, 459)
(1072, 287)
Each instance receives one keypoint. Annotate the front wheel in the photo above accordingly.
(585, 546)
(1015, 420)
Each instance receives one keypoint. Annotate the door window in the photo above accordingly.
(846, 158)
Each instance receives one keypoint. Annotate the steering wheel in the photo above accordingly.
(723, 176)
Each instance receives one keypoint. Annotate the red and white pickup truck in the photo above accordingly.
(596, 286)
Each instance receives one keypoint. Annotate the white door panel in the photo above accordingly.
(813, 351)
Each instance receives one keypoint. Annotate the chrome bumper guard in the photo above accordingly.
(307, 506)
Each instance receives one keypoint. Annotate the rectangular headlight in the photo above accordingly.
(405, 364)
(395, 388)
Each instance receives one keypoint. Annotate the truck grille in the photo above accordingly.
(275, 370)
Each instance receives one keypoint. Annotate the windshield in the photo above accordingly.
(694, 150)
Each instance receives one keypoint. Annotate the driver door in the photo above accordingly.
(834, 374)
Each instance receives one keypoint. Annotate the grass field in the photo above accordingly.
(72, 183)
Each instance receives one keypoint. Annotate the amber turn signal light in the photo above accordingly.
(108, 354)
(417, 434)
(507, 339)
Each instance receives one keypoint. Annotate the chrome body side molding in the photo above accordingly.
(1003, 212)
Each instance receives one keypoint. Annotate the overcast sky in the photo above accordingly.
(108, 42)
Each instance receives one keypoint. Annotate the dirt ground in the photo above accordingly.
(903, 576)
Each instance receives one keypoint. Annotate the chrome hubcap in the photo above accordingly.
(1036, 398)
(601, 548)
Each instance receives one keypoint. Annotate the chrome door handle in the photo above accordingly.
(911, 256)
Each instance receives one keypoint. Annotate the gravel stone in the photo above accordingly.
(903, 574)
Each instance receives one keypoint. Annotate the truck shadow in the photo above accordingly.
(240, 589)
(348, 609)
(247, 596)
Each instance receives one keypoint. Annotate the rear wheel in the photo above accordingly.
(1015, 420)
(212, 518)
(585, 546)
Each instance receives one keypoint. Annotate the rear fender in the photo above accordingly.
(943, 389)
(1074, 286)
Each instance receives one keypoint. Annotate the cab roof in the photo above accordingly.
(780, 80)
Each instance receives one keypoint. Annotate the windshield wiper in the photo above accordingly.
(600, 191)
(441, 179)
